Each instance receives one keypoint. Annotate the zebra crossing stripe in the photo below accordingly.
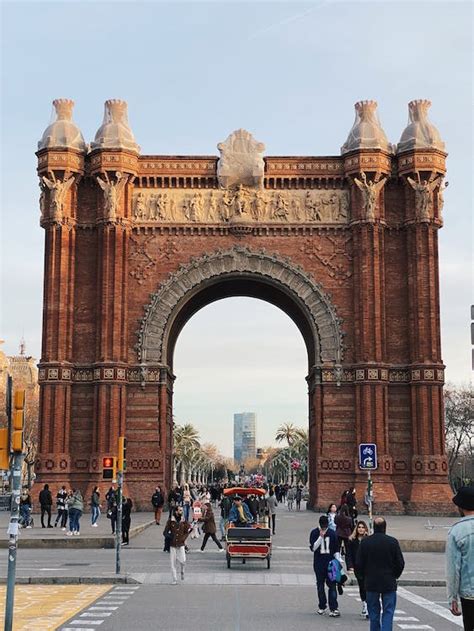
(429, 606)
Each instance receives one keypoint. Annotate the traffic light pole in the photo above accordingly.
(118, 525)
(13, 532)
(370, 499)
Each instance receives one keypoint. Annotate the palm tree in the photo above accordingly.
(288, 432)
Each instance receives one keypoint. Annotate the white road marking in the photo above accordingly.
(98, 614)
(429, 606)
(405, 619)
(102, 608)
(74, 629)
(95, 622)
(415, 626)
(399, 611)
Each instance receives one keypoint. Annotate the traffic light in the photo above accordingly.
(109, 468)
(4, 449)
(17, 420)
(122, 454)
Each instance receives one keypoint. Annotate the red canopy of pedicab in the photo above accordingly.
(244, 491)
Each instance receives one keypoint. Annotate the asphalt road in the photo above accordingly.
(249, 608)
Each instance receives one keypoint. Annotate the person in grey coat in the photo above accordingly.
(272, 506)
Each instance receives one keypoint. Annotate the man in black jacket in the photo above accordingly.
(380, 562)
(46, 501)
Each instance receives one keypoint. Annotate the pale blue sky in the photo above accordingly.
(192, 72)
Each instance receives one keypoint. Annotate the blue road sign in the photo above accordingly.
(367, 456)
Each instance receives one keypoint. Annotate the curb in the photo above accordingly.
(105, 541)
(422, 545)
(117, 580)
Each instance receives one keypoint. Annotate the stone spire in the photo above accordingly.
(63, 133)
(420, 133)
(366, 132)
(115, 132)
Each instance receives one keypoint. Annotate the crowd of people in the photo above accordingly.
(70, 508)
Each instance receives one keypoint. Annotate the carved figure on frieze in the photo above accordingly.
(344, 206)
(160, 206)
(281, 208)
(241, 201)
(370, 191)
(296, 209)
(260, 202)
(424, 195)
(442, 187)
(225, 210)
(112, 193)
(212, 212)
(312, 208)
(57, 191)
(193, 208)
(140, 209)
(241, 160)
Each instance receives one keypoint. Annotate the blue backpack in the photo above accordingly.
(334, 571)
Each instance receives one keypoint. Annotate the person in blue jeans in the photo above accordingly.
(380, 563)
(323, 543)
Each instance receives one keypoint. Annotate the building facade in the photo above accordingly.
(245, 436)
(346, 245)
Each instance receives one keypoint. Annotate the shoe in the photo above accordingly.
(69, 534)
(334, 613)
(340, 590)
(322, 611)
(61, 528)
(201, 550)
(77, 533)
(221, 550)
(174, 582)
(28, 526)
(49, 526)
(182, 575)
(364, 612)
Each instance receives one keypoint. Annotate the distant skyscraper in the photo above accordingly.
(245, 429)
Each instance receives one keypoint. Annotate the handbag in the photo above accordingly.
(109, 513)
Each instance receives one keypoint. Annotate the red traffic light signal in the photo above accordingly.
(107, 462)
(109, 468)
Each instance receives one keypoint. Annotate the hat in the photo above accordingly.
(236, 497)
(464, 498)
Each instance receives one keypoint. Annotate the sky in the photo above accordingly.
(193, 72)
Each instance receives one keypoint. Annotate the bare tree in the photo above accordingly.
(459, 423)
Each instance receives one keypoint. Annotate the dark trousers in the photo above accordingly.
(273, 518)
(321, 581)
(125, 530)
(362, 592)
(342, 545)
(468, 614)
(113, 522)
(210, 536)
(45, 510)
(61, 517)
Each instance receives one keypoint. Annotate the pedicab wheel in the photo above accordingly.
(228, 560)
(243, 561)
(268, 562)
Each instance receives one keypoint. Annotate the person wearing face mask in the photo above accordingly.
(177, 529)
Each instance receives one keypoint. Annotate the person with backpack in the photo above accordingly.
(323, 543)
(360, 532)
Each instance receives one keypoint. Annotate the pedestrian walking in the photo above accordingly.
(332, 512)
(61, 507)
(323, 543)
(225, 506)
(272, 507)
(360, 532)
(460, 559)
(209, 527)
(46, 501)
(111, 499)
(290, 498)
(177, 530)
(95, 507)
(127, 506)
(25, 509)
(380, 563)
(344, 528)
(75, 505)
(157, 501)
(187, 501)
(298, 496)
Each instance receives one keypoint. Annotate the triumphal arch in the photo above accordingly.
(346, 245)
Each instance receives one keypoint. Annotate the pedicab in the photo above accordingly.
(250, 542)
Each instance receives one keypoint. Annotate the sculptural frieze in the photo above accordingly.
(57, 191)
(240, 203)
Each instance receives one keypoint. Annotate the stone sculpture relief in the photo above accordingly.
(241, 204)
(113, 194)
(370, 191)
(57, 191)
(241, 160)
(424, 195)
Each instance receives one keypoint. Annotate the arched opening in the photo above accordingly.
(240, 355)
